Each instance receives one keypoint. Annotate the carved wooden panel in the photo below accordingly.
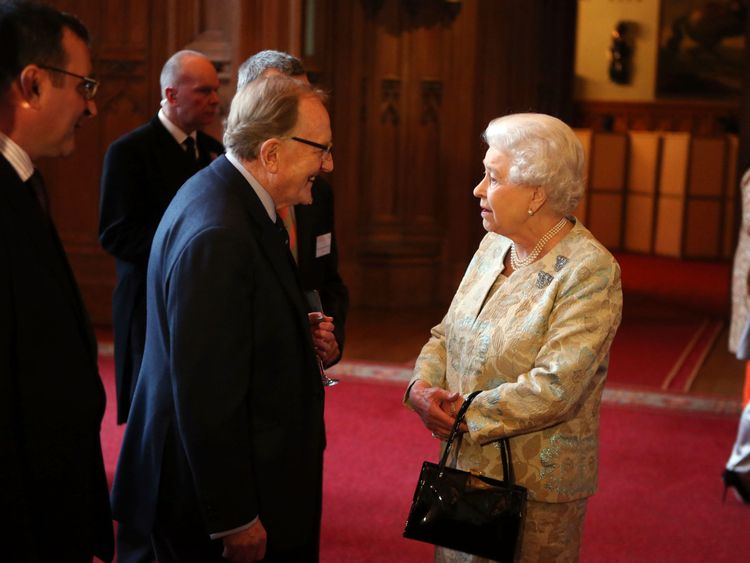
(414, 84)
(131, 40)
(403, 161)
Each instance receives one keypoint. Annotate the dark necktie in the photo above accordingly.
(283, 233)
(289, 224)
(36, 185)
(189, 145)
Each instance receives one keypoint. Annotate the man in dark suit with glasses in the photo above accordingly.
(53, 486)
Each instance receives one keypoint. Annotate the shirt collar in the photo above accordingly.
(263, 195)
(17, 157)
(178, 134)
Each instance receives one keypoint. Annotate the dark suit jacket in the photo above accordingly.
(142, 171)
(318, 268)
(229, 380)
(53, 488)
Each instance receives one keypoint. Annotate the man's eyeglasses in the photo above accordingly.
(325, 148)
(87, 87)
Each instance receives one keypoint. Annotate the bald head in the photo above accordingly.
(189, 87)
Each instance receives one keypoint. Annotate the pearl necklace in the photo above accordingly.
(534, 254)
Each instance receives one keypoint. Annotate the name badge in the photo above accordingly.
(323, 245)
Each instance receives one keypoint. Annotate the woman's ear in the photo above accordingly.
(538, 198)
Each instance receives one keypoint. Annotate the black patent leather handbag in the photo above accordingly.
(467, 512)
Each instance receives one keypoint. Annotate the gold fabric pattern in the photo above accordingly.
(540, 355)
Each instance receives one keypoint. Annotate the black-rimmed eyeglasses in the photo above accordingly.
(87, 87)
(325, 148)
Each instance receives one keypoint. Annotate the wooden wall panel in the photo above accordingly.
(402, 164)
(639, 223)
(267, 25)
(610, 156)
(119, 51)
(703, 230)
(606, 188)
(585, 137)
(457, 214)
(732, 213)
(643, 169)
(131, 40)
(674, 164)
(671, 206)
(699, 117)
(668, 240)
(427, 77)
(708, 157)
(706, 182)
(676, 200)
(413, 85)
(643, 163)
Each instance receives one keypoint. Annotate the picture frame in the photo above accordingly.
(702, 46)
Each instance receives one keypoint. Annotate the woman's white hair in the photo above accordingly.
(542, 151)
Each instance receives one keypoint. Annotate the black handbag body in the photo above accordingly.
(467, 512)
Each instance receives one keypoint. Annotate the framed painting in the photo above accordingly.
(701, 48)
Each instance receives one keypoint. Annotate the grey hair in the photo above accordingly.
(172, 70)
(543, 151)
(266, 108)
(261, 61)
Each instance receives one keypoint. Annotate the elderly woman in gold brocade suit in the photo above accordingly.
(530, 325)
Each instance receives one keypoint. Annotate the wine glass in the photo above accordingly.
(313, 301)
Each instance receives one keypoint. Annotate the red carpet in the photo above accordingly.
(673, 312)
(659, 497)
(693, 284)
(660, 347)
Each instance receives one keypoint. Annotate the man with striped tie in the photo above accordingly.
(142, 172)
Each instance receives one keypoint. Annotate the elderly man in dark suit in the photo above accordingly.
(53, 488)
(223, 449)
(142, 171)
(315, 251)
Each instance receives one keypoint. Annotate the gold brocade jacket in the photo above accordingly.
(537, 344)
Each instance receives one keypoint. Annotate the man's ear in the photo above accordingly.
(268, 155)
(170, 94)
(30, 85)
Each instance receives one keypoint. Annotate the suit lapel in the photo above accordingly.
(269, 240)
(173, 156)
(40, 231)
(204, 151)
(304, 224)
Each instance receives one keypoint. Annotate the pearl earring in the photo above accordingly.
(530, 212)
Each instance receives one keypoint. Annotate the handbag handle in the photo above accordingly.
(505, 454)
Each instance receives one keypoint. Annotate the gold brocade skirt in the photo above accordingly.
(552, 534)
